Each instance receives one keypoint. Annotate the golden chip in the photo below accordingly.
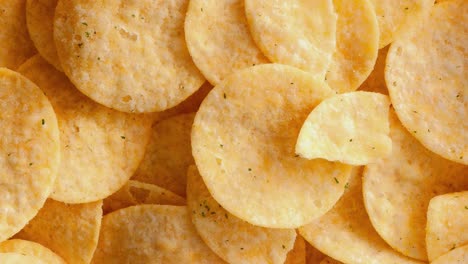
(231, 238)
(100, 147)
(70, 230)
(295, 32)
(447, 223)
(313, 255)
(243, 141)
(298, 254)
(456, 256)
(29, 151)
(428, 83)
(351, 128)
(135, 192)
(127, 55)
(219, 39)
(151, 234)
(346, 234)
(397, 190)
(376, 80)
(17, 258)
(31, 249)
(329, 260)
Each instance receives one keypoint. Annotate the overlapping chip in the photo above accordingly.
(456, 256)
(298, 254)
(376, 80)
(17, 258)
(329, 260)
(31, 249)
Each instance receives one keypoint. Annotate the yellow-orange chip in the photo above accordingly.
(313, 255)
(17, 258)
(376, 80)
(456, 256)
(32, 249)
(329, 260)
(298, 254)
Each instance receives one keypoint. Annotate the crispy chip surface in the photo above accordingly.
(376, 80)
(231, 238)
(397, 190)
(100, 147)
(428, 83)
(127, 55)
(29, 151)
(456, 256)
(298, 254)
(31, 249)
(17, 258)
(243, 141)
(351, 128)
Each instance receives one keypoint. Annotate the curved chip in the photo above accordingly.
(243, 141)
(346, 234)
(218, 38)
(376, 80)
(313, 255)
(29, 151)
(70, 230)
(31, 249)
(135, 192)
(17, 258)
(447, 223)
(298, 254)
(127, 55)
(428, 84)
(163, 231)
(456, 256)
(397, 190)
(110, 143)
(40, 22)
(294, 32)
(351, 128)
(168, 154)
(15, 44)
(231, 238)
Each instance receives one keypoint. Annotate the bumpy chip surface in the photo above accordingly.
(151, 234)
(231, 238)
(29, 151)
(70, 230)
(299, 33)
(346, 234)
(456, 256)
(397, 190)
(428, 83)
(376, 80)
(219, 39)
(17, 258)
(127, 55)
(243, 141)
(351, 128)
(31, 249)
(298, 254)
(109, 143)
(447, 223)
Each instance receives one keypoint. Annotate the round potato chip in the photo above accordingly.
(17, 258)
(447, 223)
(40, 22)
(243, 141)
(15, 44)
(376, 80)
(428, 84)
(456, 256)
(70, 230)
(151, 234)
(294, 32)
(396, 16)
(357, 44)
(31, 249)
(168, 154)
(397, 190)
(351, 128)
(135, 192)
(298, 254)
(127, 55)
(218, 38)
(110, 143)
(329, 260)
(29, 151)
(313, 255)
(231, 238)
(346, 234)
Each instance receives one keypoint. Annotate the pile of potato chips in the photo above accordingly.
(233, 131)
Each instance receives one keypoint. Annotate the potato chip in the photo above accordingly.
(346, 234)
(396, 16)
(243, 141)
(329, 260)
(357, 40)
(40, 22)
(168, 154)
(447, 223)
(376, 80)
(70, 230)
(397, 190)
(17, 258)
(29, 151)
(295, 32)
(231, 238)
(426, 77)
(218, 38)
(110, 143)
(313, 255)
(135, 192)
(351, 128)
(31, 249)
(151, 234)
(298, 254)
(456, 256)
(130, 56)
(15, 44)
